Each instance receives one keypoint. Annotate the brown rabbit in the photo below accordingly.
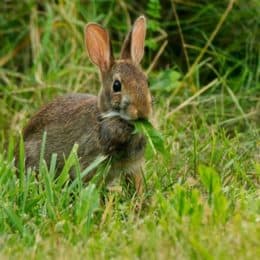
(99, 125)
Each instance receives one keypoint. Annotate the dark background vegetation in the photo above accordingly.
(42, 42)
(236, 45)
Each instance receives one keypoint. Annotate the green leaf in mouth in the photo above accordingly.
(155, 140)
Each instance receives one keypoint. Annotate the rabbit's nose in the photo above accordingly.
(129, 108)
(125, 102)
(132, 112)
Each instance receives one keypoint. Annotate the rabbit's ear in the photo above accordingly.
(133, 47)
(98, 46)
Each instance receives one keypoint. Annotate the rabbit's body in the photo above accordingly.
(81, 122)
(67, 120)
(102, 124)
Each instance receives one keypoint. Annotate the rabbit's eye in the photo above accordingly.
(117, 86)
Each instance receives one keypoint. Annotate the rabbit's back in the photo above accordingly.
(67, 120)
(59, 111)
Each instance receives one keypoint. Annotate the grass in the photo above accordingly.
(201, 201)
(202, 191)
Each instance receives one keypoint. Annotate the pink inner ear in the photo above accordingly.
(138, 40)
(97, 43)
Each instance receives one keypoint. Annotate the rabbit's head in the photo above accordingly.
(125, 91)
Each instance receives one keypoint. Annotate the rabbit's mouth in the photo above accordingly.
(121, 114)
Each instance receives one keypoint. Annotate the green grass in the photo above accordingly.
(201, 201)
(202, 197)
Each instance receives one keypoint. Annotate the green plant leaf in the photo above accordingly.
(155, 141)
(166, 81)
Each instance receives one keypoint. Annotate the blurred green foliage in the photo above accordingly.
(45, 35)
(42, 52)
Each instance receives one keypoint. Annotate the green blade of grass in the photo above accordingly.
(97, 162)
(14, 219)
(69, 163)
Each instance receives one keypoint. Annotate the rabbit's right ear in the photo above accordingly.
(98, 46)
(133, 47)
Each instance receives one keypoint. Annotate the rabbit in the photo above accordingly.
(100, 124)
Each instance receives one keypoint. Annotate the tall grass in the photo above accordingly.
(202, 192)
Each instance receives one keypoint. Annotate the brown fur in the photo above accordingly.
(86, 120)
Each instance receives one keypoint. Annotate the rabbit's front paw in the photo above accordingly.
(114, 134)
(136, 144)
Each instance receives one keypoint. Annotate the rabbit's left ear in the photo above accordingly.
(98, 46)
(133, 47)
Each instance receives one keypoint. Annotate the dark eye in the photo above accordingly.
(117, 86)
